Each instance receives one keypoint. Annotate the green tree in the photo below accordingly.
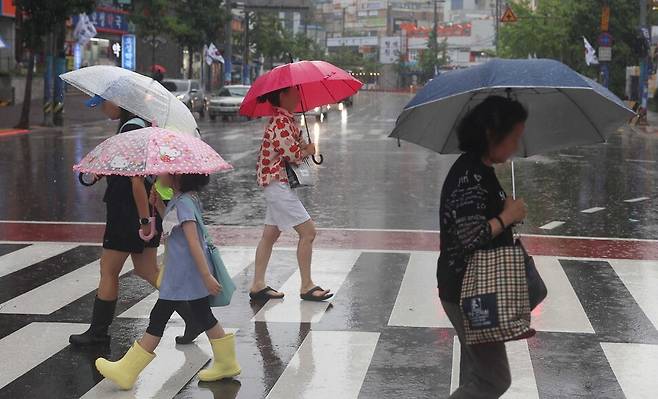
(435, 56)
(270, 39)
(556, 30)
(194, 23)
(149, 17)
(36, 18)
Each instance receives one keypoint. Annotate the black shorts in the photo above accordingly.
(122, 221)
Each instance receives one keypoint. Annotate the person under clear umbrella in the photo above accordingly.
(282, 143)
(127, 205)
(475, 214)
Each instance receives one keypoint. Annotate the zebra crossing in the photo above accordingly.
(383, 335)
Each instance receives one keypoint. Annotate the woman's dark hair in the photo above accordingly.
(496, 116)
(192, 182)
(273, 97)
(125, 116)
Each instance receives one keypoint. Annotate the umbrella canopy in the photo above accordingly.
(565, 108)
(320, 83)
(136, 93)
(152, 151)
(158, 68)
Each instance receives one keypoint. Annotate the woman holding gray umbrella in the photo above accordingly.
(476, 214)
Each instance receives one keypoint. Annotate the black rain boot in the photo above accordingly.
(101, 318)
(192, 328)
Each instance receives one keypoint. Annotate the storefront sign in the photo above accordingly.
(352, 41)
(77, 56)
(605, 54)
(7, 8)
(129, 52)
(108, 20)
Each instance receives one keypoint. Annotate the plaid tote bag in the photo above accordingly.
(494, 297)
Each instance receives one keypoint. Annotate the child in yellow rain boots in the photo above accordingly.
(186, 277)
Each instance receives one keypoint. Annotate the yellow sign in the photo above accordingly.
(509, 16)
(605, 19)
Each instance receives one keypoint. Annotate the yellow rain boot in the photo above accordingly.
(225, 364)
(124, 371)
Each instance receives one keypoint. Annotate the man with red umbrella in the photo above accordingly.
(287, 89)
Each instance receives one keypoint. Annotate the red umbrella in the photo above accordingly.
(319, 83)
(158, 68)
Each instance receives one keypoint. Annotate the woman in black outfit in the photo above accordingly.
(126, 200)
(476, 214)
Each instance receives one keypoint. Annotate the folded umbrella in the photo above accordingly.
(152, 151)
(136, 93)
(319, 83)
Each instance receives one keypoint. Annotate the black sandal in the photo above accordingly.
(308, 296)
(264, 294)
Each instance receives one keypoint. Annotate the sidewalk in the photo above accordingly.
(75, 112)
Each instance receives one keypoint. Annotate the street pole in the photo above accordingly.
(228, 52)
(644, 63)
(436, 23)
(497, 17)
(245, 57)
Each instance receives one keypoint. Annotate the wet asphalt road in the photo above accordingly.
(366, 181)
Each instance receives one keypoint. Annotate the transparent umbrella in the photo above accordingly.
(136, 93)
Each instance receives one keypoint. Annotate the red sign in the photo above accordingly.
(7, 8)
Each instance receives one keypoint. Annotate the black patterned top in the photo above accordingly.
(470, 197)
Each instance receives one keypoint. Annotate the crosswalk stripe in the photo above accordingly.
(57, 293)
(330, 268)
(26, 348)
(641, 279)
(552, 225)
(593, 210)
(524, 385)
(235, 260)
(30, 255)
(551, 315)
(635, 368)
(417, 303)
(328, 364)
(173, 367)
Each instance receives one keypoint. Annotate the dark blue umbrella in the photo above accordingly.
(565, 108)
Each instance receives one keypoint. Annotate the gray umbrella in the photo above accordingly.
(565, 108)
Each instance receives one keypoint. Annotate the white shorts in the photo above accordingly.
(284, 209)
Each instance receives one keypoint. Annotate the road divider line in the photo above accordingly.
(552, 225)
(638, 199)
(593, 210)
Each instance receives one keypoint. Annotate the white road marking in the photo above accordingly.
(641, 279)
(550, 315)
(417, 303)
(30, 255)
(593, 210)
(639, 199)
(313, 372)
(28, 347)
(552, 225)
(640, 160)
(635, 367)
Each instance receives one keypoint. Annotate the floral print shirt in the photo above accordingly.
(282, 142)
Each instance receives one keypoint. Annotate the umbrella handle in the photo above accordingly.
(316, 161)
(81, 179)
(149, 237)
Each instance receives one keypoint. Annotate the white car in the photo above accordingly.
(227, 101)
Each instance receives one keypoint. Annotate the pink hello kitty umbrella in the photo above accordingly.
(152, 151)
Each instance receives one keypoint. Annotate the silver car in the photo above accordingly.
(189, 92)
(227, 101)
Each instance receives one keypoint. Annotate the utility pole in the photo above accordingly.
(497, 18)
(245, 57)
(435, 44)
(228, 52)
(644, 62)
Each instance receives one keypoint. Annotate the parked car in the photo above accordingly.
(227, 101)
(189, 92)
